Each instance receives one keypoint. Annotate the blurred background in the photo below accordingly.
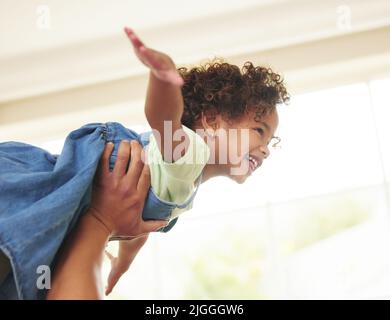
(313, 222)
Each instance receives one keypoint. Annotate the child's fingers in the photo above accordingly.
(109, 287)
(109, 255)
(150, 57)
(128, 30)
(137, 43)
(113, 279)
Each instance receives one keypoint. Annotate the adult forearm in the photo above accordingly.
(78, 271)
(116, 209)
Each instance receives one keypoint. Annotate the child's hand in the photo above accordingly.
(118, 268)
(159, 63)
(119, 265)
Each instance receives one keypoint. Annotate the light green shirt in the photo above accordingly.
(175, 182)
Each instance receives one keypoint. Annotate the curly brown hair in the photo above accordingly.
(222, 88)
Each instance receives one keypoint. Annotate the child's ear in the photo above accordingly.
(210, 120)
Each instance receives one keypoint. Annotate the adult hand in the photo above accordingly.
(118, 196)
(117, 203)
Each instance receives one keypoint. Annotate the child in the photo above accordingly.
(42, 195)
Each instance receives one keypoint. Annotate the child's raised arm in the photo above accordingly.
(164, 101)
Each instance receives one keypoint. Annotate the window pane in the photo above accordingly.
(224, 195)
(328, 144)
(333, 246)
(215, 258)
(380, 98)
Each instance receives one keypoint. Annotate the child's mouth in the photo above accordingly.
(254, 162)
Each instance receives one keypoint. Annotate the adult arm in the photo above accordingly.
(116, 209)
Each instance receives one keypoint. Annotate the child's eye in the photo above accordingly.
(260, 131)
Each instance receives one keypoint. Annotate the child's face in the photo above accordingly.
(240, 146)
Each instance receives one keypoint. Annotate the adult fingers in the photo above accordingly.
(104, 163)
(144, 182)
(122, 160)
(136, 164)
(153, 225)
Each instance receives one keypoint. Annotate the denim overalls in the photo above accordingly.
(43, 195)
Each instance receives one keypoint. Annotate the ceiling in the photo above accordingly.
(74, 21)
(67, 44)
(71, 59)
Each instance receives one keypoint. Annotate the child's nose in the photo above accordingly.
(265, 151)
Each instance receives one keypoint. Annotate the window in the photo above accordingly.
(313, 222)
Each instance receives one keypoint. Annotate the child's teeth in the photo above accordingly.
(253, 162)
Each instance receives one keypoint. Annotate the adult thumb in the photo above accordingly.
(154, 225)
